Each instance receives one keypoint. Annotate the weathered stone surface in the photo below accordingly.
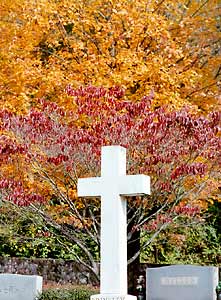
(16, 286)
(183, 282)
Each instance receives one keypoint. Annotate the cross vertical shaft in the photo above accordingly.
(113, 224)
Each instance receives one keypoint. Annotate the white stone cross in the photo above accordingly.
(113, 186)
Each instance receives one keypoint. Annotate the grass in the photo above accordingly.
(52, 291)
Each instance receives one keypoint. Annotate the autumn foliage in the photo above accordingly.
(169, 47)
(179, 150)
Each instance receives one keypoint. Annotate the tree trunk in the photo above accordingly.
(133, 247)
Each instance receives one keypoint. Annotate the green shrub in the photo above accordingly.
(65, 294)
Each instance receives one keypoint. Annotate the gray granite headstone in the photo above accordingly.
(19, 287)
(181, 282)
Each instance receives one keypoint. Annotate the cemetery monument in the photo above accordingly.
(182, 282)
(112, 187)
(16, 286)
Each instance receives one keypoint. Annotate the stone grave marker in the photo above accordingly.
(181, 282)
(112, 187)
(19, 287)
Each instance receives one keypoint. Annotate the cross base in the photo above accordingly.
(112, 297)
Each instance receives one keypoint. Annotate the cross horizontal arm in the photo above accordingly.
(89, 187)
(134, 185)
